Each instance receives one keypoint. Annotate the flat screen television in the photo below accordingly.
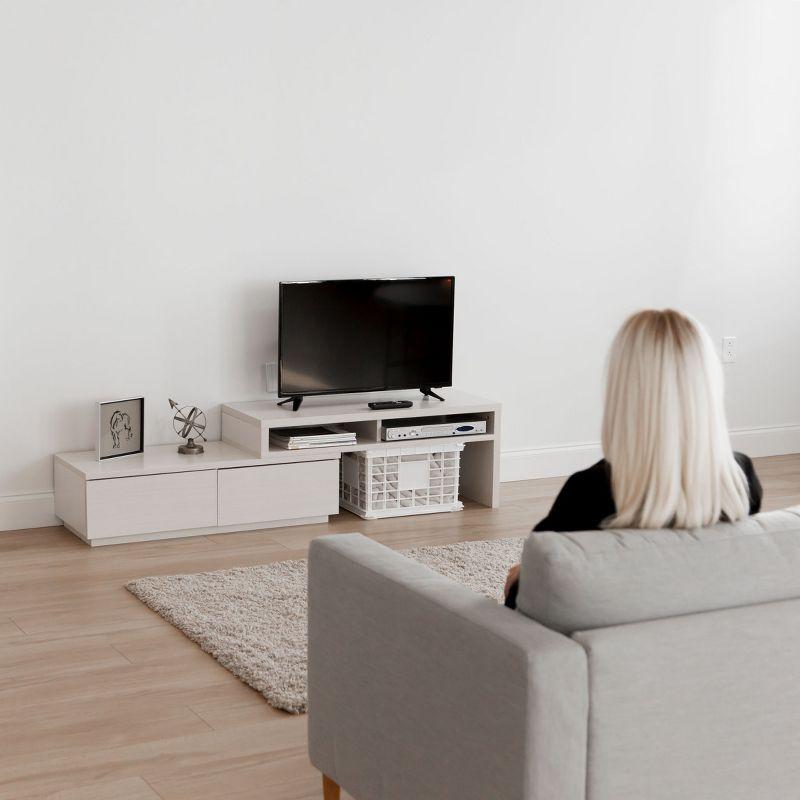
(365, 335)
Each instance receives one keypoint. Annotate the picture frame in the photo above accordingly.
(120, 428)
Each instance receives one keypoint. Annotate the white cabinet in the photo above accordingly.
(160, 494)
(151, 504)
(277, 492)
(243, 482)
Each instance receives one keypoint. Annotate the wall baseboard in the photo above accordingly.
(37, 509)
(551, 462)
(777, 440)
(29, 510)
(547, 462)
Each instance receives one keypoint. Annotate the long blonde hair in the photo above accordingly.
(664, 429)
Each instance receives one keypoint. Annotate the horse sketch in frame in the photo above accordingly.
(120, 427)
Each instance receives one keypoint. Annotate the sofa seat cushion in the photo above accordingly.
(595, 579)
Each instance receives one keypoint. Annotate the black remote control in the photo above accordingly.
(382, 405)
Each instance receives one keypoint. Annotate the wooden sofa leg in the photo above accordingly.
(330, 789)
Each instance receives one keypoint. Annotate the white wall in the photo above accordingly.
(164, 164)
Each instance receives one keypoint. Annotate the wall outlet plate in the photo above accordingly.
(728, 349)
(271, 377)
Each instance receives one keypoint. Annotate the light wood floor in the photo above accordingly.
(100, 698)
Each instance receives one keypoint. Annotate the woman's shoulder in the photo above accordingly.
(584, 501)
(746, 465)
(599, 472)
(591, 481)
(754, 488)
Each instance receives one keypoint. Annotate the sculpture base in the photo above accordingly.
(190, 448)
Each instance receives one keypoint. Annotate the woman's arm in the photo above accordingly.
(513, 577)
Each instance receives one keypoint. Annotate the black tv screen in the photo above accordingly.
(365, 335)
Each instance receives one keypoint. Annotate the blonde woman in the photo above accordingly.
(668, 460)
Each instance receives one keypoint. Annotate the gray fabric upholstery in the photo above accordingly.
(419, 688)
(594, 579)
(701, 707)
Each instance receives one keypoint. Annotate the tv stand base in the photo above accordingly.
(296, 401)
(430, 393)
(244, 483)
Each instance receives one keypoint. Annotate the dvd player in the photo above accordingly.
(430, 427)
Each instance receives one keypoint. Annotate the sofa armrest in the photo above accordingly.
(420, 688)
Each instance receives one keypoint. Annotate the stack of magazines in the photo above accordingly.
(312, 436)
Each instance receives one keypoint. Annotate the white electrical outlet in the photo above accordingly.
(271, 376)
(728, 349)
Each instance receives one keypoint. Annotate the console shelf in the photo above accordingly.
(244, 483)
(369, 444)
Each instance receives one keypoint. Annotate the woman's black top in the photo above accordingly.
(586, 500)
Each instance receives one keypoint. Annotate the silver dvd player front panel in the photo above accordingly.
(422, 431)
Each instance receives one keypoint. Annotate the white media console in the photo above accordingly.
(243, 482)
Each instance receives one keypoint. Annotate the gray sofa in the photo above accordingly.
(641, 665)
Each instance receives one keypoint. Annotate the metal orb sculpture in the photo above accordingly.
(189, 423)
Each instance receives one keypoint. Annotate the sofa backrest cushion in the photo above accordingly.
(699, 707)
(595, 579)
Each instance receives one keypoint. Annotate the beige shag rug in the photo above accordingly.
(253, 619)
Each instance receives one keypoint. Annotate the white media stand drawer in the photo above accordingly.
(279, 491)
(151, 504)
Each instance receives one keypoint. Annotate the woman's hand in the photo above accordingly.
(513, 577)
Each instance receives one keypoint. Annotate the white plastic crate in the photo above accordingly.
(397, 481)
